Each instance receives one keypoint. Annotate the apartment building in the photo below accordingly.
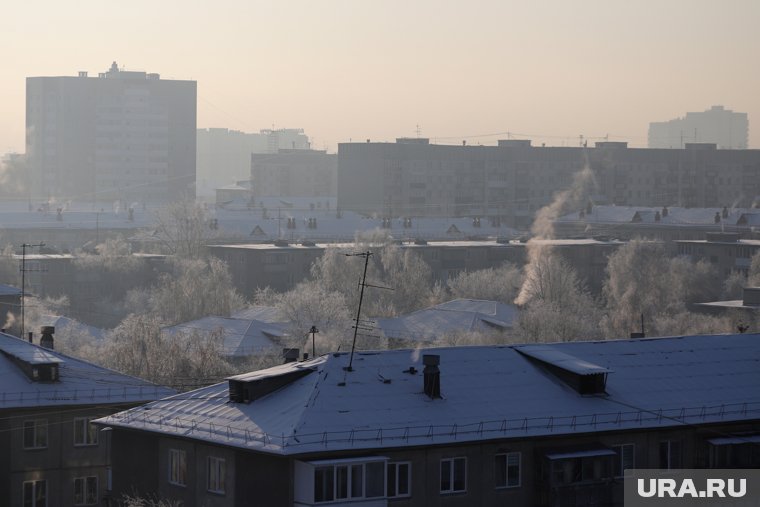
(543, 424)
(124, 135)
(52, 455)
(666, 223)
(726, 128)
(294, 173)
(726, 251)
(510, 182)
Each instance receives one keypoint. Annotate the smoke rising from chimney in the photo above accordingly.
(564, 202)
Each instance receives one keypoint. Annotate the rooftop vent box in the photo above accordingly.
(579, 374)
(36, 363)
(249, 387)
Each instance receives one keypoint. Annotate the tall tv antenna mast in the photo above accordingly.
(363, 284)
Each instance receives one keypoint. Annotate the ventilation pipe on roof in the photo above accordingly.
(432, 375)
(290, 355)
(47, 337)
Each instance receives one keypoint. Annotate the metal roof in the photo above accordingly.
(553, 357)
(491, 392)
(610, 214)
(240, 337)
(9, 290)
(464, 315)
(80, 382)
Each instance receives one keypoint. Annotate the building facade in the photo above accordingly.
(281, 265)
(510, 182)
(224, 156)
(52, 455)
(726, 251)
(726, 128)
(542, 424)
(123, 135)
(667, 223)
(294, 173)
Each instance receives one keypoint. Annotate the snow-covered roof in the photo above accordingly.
(732, 304)
(16, 215)
(330, 228)
(490, 392)
(9, 290)
(80, 382)
(241, 221)
(241, 337)
(676, 216)
(71, 326)
(268, 314)
(568, 242)
(740, 242)
(459, 315)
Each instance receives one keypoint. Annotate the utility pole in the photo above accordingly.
(23, 280)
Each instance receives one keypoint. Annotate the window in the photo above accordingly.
(670, 454)
(85, 433)
(35, 494)
(85, 490)
(453, 475)
(507, 470)
(624, 459)
(349, 481)
(399, 479)
(35, 434)
(586, 469)
(177, 467)
(216, 475)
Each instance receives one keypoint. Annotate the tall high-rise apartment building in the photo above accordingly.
(723, 127)
(123, 135)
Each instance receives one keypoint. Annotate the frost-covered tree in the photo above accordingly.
(753, 276)
(495, 284)
(733, 285)
(138, 347)
(310, 304)
(390, 266)
(196, 288)
(644, 279)
(557, 306)
(182, 229)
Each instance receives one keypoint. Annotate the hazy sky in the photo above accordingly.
(376, 69)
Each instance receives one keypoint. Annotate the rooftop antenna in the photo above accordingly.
(418, 130)
(363, 284)
(23, 278)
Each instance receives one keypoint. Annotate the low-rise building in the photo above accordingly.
(726, 251)
(543, 424)
(240, 337)
(51, 453)
(458, 316)
(282, 264)
(660, 223)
